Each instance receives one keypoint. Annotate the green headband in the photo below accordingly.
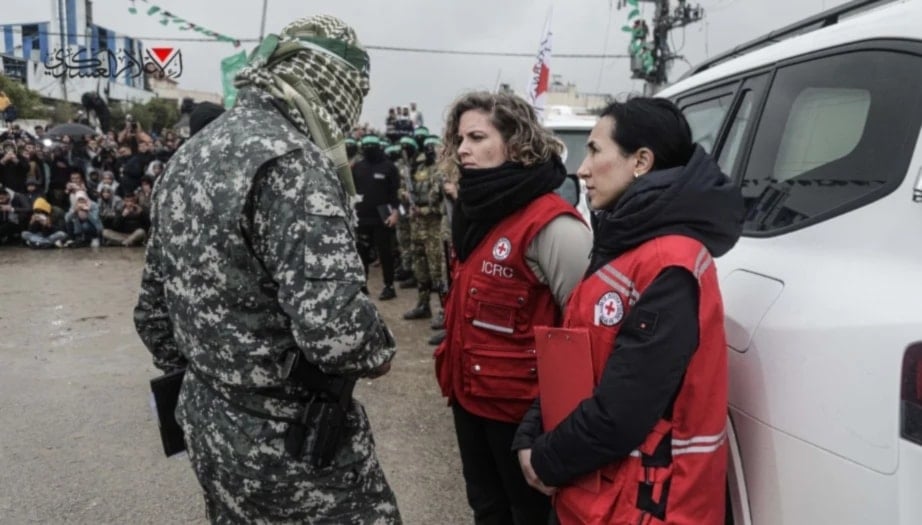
(371, 140)
(355, 56)
(352, 55)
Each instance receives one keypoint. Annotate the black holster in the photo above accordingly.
(324, 414)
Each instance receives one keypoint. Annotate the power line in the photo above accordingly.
(598, 85)
(393, 48)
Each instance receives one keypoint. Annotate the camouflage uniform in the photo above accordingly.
(424, 231)
(249, 260)
(404, 240)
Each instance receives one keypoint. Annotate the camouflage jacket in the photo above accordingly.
(252, 256)
(426, 189)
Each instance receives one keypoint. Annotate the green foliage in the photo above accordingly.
(164, 114)
(63, 112)
(28, 103)
(155, 115)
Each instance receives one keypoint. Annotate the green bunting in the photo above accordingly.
(167, 17)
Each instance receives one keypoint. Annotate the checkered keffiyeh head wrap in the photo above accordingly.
(317, 66)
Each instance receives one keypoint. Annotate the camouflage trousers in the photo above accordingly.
(427, 253)
(248, 477)
(404, 244)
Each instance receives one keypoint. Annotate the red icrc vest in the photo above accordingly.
(487, 362)
(678, 474)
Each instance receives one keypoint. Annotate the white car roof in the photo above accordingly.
(571, 125)
(892, 20)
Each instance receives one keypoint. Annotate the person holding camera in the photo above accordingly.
(83, 224)
(134, 168)
(62, 165)
(132, 135)
(14, 212)
(110, 207)
(13, 168)
(46, 227)
(74, 185)
(129, 224)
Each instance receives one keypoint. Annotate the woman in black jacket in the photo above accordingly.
(653, 429)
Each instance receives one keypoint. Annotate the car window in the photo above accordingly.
(730, 153)
(705, 119)
(575, 141)
(836, 133)
(825, 124)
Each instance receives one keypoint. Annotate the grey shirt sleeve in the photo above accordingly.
(151, 314)
(559, 255)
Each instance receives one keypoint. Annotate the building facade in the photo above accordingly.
(68, 55)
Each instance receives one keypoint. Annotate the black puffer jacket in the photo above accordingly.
(645, 370)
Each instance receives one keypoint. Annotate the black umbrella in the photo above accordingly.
(73, 130)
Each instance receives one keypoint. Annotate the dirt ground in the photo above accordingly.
(78, 442)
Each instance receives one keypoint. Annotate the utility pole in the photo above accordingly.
(651, 60)
(63, 37)
(262, 28)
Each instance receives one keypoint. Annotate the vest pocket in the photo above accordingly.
(491, 372)
(496, 309)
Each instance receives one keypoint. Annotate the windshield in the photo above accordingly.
(575, 140)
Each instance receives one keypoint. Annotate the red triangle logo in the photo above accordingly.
(162, 52)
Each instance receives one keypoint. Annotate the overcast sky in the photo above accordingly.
(432, 80)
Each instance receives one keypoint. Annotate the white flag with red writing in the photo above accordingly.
(538, 82)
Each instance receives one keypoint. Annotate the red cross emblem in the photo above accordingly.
(609, 310)
(502, 249)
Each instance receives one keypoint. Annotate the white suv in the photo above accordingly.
(823, 294)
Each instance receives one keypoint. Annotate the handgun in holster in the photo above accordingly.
(324, 414)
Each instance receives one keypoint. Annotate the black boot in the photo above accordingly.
(421, 311)
(409, 283)
(387, 293)
(402, 274)
(438, 322)
(437, 338)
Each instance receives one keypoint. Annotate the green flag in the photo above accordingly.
(229, 68)
(632, 3)
(633, 14)
(626, 29)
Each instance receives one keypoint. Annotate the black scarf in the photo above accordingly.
(487, 196)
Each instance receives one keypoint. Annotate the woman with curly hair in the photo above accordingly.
(519, 249)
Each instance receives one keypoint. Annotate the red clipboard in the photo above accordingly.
(565, 379)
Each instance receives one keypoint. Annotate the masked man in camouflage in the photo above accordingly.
(424, 229)
(252, 283)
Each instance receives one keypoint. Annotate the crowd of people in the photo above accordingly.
(77, 190)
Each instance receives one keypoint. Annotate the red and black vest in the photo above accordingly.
(678, 474)
(487, 361)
